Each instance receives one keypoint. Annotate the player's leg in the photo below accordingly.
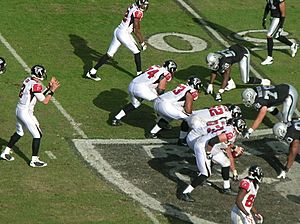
(289, 105)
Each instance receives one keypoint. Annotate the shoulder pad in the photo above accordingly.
(245, 184)
(138, 14)
(194, 94)
(168, 76)
(37, 88)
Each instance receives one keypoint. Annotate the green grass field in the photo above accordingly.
(68, 37)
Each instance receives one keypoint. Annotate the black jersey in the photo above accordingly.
(293, 131)
(270, 95)
(229, 56)
(274, 7)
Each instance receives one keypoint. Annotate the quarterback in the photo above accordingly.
(31, 92)
(122, 35)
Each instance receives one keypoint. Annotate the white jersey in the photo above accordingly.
(177, 95)
(152, 76)
(248, 200)
(30, 92)
(132, 12)
(206, 115)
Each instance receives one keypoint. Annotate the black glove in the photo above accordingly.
(264, 23)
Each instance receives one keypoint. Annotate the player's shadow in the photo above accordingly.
(173, 213)
(89, 55)
(16, 150)
(114, 100)
(199, 71)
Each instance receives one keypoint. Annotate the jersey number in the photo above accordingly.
(250, 200)
(21, 91)
(214, 111)
(179, 89)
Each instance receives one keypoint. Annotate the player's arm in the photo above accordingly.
(239, 200)
(160, 89)
(261, 115)
(226, 76)
(282, 13)
(188, 105)
(293, 152)
(231, 159)
(137, 30)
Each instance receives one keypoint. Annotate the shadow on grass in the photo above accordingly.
(89, 55)
(16, 149)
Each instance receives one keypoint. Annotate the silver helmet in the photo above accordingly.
(249, 97)
(212, 60)
(280, 130)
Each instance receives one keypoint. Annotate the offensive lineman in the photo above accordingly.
(31, 91)
(147, 86)
(277, 8)
(241, 212)
(265, 99)
(122, 35)
(290, 133)
(218, 137)
(176, 105)
(220, 62)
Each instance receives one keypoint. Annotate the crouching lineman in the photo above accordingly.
(176, 105)
(147, 86)
(219, 137)
(289, 133)
(242, 211)
(220, 62)
(265, 99)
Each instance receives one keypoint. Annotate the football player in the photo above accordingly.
(147, 86)
(290, 133)
(2, 65)
(123, 35)
(31, 92)
(277, 8)
(220, 62)
(241, 212)
(219, 137)
(176, 105)
(265, 99)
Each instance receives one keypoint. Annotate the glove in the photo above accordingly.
(144, 46)
(247, 133)
(235, 175)
(264, 23)
(259, 218)
(210, 89)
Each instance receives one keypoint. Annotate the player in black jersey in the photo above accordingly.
(265, 99)
(220, 63)
(277, 8)
(289, 133)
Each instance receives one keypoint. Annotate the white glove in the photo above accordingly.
(259, 218)
(144, 46)
(235, 175)
(248, 133)
(210, 89)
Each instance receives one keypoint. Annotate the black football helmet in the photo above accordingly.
(235, 110)
(39, 72)
(143, 5)
(170, 65)
(255, 172)
(239, 124)
(194, 82)
(2, 65)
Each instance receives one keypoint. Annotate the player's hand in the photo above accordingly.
(210, 89)
(143, 46)
(54, 84)
(235, 176)
(247, 133)
(264, 23)
(259, 218)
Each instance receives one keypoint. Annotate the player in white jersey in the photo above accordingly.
(219, 138)
(31, 92)
(122, 35)
(241, 212)
(147, 86)
(176, 105)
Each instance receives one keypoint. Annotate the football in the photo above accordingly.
(237, 151)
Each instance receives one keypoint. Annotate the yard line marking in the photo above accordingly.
(55, 102)
(218, 37)
(50, 154)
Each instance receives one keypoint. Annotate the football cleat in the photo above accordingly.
(230, 85)
(186, 197)
(269, 60)
(93, 77)
(138, 73)
(7, 157)
(282, 175)
(37, 163)
(150, 135)
(218, 97)
(229, 191)
(294, 49)
(116, 122)
(265, 82)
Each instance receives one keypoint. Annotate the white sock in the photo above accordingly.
(7, 150)
(93, 71)
(155, 129)
(34, 158)
(120, 115)
(226, 184)
(189, 189)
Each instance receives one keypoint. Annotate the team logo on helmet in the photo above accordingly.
(39, 72)
(255, 172)
(194, 82)
(280, 130)
(170, 65)
(248, 97)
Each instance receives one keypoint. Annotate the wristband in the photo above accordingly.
(51, 93)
